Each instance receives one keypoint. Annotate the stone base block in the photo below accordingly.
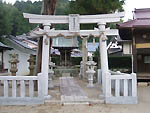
(121, 100)
(90, 85)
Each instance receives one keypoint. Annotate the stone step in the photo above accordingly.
(65, 74)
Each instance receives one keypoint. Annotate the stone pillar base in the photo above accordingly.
(90, 85)
(47, 97)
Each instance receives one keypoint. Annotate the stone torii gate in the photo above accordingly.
(74, 21)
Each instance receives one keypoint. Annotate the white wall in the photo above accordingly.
(65, 42)
(127, 48)
(22, 65)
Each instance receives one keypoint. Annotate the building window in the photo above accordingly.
(147, 59)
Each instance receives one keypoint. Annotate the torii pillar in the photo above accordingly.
(84, 57)
(45, 59)
(104, 60)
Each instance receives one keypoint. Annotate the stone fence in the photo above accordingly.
(121, 88)
(14, 90)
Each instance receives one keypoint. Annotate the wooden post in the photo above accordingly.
(84, 57)
(65, 59)
(39, 56)
(38, 61)
(103, 57)
(134, 52)
(45, 59)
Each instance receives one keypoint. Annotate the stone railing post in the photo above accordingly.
(107, 89)
(134, 85)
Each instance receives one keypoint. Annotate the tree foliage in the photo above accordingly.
(11, 16)
(95, 6)
(5, 21)
(29, 7)
(62, 7)
(12, 21)
(89, 7)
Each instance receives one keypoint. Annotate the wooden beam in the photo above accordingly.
(143, 45)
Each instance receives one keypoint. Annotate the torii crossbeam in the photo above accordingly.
(68, 34)
(83, 19)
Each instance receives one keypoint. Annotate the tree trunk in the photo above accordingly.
(48, 8)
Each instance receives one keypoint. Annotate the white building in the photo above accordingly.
(23, 52)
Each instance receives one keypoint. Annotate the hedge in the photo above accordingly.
(114, 62)
(120, 62)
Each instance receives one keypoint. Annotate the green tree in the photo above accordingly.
(12, 20)
(5, 19)
(19, 24)
(29, 7)
(89, 7)
(95, 6)
(62, 7)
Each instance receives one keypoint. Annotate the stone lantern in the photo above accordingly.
(13, 63)
(90, 71)
(31, 64)
(51, 73)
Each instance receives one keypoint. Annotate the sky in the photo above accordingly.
(128, 7)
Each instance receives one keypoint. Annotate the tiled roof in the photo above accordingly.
(141, 19)
(143, 13)
(4, 46)
(19, 42)
(92, 47)
(135, 24)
